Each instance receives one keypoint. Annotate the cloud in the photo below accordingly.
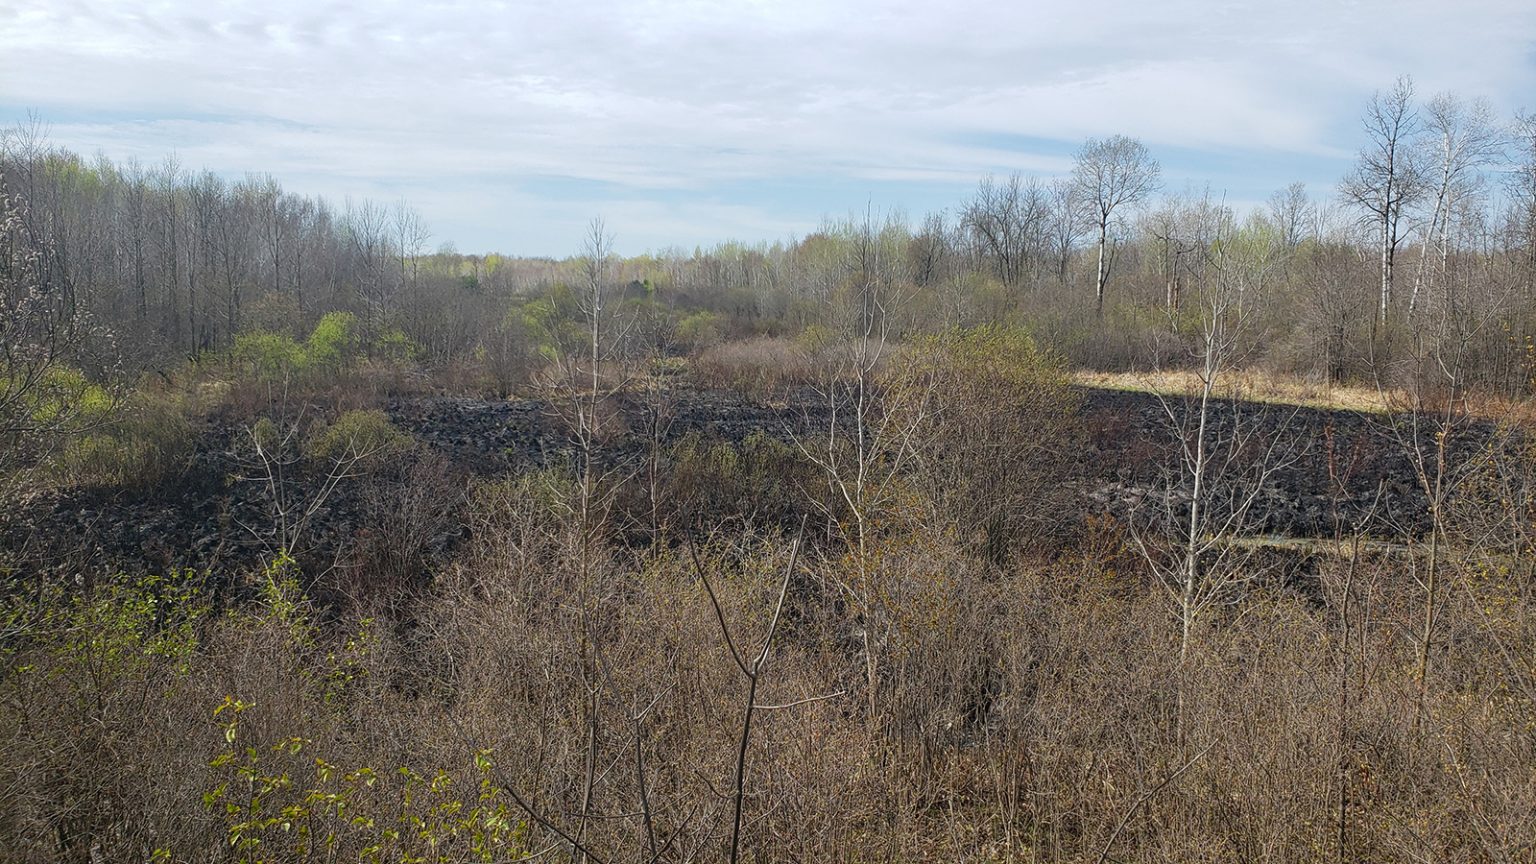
(668, 105)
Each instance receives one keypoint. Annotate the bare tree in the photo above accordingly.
(1111, 174)
(753, 667)
(866, 444)
(1293, 213)
(1385, 181)
(1066, 224)
(1006, 220)
(368, 232)
(411, 236)
(1431, 428)
(1522, 186)
(136, 227)
(1223, 463)
(1459, 139)
(297, 485)
(931, 254)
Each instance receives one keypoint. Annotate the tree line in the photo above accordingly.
(1433, 230)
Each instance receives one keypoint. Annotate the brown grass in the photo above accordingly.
(1249, 385)
(762, 366)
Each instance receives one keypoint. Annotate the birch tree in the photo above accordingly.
(1226, 456)
(1459, 138)
(1385, 182)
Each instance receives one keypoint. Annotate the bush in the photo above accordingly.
(94, 744)
(699, 330)
(394, 347)
(762, 481)
(333, 343)
(993, 417)
(148, 439)
(355, 434)
(762, 367)
(268, 357)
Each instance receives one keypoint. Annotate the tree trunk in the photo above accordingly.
(1099, 283)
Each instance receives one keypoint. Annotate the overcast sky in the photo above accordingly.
(510, 124)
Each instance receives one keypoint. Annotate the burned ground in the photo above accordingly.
(1338, 466)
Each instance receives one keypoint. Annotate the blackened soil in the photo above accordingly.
(1333, 467)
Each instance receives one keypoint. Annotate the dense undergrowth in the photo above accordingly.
(1035, 711)
(955, 674)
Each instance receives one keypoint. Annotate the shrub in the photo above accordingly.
(147, 439)
(268, 357)
(699, 330)
(510, 354)
(93, 747)
(762, 481)
(993, 420)
(333, 343)
(276, 796)
(762, 367)
(393, 346)
(355, 434)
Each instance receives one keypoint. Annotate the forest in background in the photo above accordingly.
(896, 629)
(1431, 229)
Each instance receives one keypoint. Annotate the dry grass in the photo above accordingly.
(1250, 386)
(762, 366)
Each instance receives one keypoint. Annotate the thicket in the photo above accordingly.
(522, 703)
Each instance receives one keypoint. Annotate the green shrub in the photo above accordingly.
(393, 346)
(268, 356)
(700, 329)
(280, 800)
(333, 343)
(356, 434)
(92, 680)
(63, 396)
(149, 437)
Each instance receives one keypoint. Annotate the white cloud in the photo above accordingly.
(656, 97)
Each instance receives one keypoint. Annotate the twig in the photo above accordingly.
(1145, 797)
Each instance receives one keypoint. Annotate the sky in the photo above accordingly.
(509, 125)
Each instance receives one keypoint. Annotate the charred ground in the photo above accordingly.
(1335, 467)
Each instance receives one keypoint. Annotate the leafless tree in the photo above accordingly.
(1293, 213)
(1522, 185)
(1430, 389)
(1184, 230)
(1459, 139)
(1066, 224)
(1224, 463)
(411, 236)
(753, 667)
(1111, 174)
(41, 396)
(1385, 181)
(1006, 221)
(866, 445)
(932, 253)
(368, 232)
(296, 489)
